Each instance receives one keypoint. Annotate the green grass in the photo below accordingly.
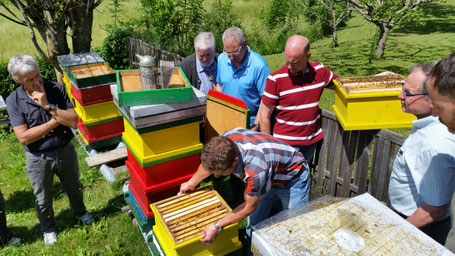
(113, 233)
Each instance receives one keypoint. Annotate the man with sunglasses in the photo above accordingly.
(423, 175)
(200, 67)
(241, 72)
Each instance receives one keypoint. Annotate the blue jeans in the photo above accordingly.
(307, 151)
(295, 194)
(40, 168)
(4, 232)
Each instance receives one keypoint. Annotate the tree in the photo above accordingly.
(331, 14)
(52, 18)
(386, 14)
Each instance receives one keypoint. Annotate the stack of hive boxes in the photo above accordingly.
(162, 139)
(88, 83)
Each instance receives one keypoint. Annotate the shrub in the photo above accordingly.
(115, 47)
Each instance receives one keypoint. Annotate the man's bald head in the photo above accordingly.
(298, 43)
(297, 53)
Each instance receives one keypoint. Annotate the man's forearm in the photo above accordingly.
(427, 214)
(27, 136)
(65, 117)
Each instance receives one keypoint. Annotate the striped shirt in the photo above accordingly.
(264, 161)
(296, 97)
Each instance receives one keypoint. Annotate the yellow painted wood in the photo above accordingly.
(226, 241)
(67, 84)
(370, 110)
(96, 112)
(162, 143)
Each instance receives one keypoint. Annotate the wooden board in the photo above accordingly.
(131, 80)
(221, 117)
(107, 157)
(91, 70)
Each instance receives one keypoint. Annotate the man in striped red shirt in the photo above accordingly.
(270, 168)
(293, 92)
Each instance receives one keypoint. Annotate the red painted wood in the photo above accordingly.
(89, 134)
(227, 98)
(92, 95)
(160, 175)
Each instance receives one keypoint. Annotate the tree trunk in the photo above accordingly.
(334, 29)
(81, 22)
(383, 32)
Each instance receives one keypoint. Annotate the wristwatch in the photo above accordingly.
(51, 107)
(218, 228)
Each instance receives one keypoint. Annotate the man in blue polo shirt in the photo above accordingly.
(241, 73)
(41, 116)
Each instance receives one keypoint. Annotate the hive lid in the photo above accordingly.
(78, 59)
(363, 84)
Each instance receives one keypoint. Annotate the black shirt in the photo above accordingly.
(23, 110)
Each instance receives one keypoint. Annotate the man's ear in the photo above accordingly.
(236, 161)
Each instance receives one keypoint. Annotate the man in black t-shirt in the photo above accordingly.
(41, 115)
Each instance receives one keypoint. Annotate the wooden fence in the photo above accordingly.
(349, 163)
(137, 46)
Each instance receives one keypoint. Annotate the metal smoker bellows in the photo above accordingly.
(149, 74)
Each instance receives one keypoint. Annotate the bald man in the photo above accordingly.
(293, 92)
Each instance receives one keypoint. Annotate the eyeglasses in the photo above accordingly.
(234, 53)
(407, 94)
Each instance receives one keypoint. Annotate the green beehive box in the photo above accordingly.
(130, 92)
(90, 75)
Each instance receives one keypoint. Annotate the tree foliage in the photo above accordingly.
(52, 19)
(386, 14)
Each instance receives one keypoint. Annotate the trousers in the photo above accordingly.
(40, 168)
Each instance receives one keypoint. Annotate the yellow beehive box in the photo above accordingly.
(92, 114)
(370, 102)
(67, 84)
(180, 220)
(160, 143)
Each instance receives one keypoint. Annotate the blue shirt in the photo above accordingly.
(206, 75)
(424, 168)
(23, 110)
(246, 82)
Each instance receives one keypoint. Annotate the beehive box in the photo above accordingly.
(370, 102)
(102, 129)
(164, 141)
(180, 220)
(92, 95)
(156, 175)
(97, 143)
(151, 115)
(146, 198)
(67, 84)
(91, 75)
(130, 92)
(96, 113)
(146, 224)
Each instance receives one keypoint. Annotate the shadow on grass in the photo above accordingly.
(65, 219)
(440, 21)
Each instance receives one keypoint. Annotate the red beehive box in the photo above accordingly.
(91, 139)
(101, 130)
(92, 95)
(161, 174)
(145, 198)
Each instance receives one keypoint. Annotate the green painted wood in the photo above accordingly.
(82, 83)
(156, 96)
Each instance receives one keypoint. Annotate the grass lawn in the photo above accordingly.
(114, 232)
